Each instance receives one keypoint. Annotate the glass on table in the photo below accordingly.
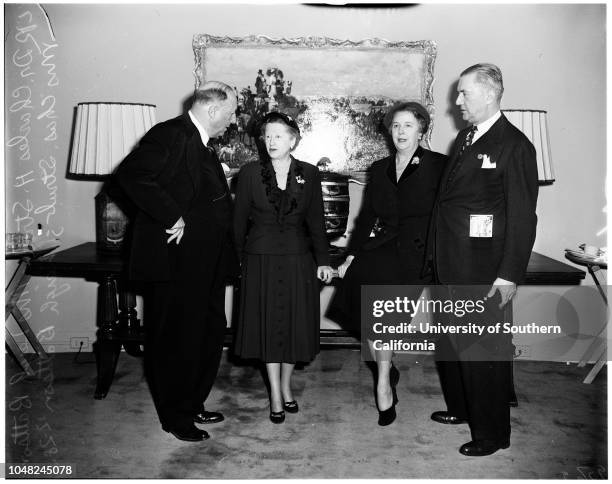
(18, 241)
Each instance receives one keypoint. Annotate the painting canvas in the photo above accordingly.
(337, 90)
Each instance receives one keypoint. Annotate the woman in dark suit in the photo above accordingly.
(400, 195)
(280, 236)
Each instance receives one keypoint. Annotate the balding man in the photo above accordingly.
(182, 249)
(484, 227)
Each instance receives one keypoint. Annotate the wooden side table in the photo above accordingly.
(597, 348)
(117, 326)
(12, 293)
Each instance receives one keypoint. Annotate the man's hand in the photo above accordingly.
(325, 273)
(507, 290)
(176, 231)
(342, 268)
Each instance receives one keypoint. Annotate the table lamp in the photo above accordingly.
(533, 123)
(104, 133)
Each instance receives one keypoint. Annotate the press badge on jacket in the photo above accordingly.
(481, 225)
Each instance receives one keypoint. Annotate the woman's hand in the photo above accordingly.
(325, 273)
(342, 268)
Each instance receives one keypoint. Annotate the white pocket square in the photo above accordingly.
(486, 162)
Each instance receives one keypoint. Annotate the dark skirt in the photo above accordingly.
(279, 308)
(382, 265)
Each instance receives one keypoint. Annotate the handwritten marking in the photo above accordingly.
(53, 79)
(23, 33)
(23, 180)
(49, 181)
(21, 214)
(33, 123)
(50, 114)
(23, 94)
(23, 304)
(23, 60)
(56, 291)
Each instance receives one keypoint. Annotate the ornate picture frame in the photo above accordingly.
(337, 90)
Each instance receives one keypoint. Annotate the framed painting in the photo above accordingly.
(337, 90)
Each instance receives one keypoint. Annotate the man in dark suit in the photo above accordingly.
(484, 227)
(183, 249)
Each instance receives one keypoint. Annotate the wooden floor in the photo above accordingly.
(559, 429)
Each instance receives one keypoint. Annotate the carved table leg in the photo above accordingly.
(107, 346)
(129, 322)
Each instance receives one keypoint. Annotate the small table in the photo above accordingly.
(117, 327)
(597, 348)
(12, 293)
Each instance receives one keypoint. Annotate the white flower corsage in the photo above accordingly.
(300, 180)
(416, 160)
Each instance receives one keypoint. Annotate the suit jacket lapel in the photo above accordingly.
(390, 171)
(194, 151)
(495, 133)
(411, 168)
(214, 159)
(200, 158)
(487, 142)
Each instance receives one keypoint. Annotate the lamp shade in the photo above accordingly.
(104, 133)
(533, 123)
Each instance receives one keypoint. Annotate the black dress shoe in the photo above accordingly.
(291, 407)
(447, 418)
(479, 448)
(205, 417)
(188, 434)
(277, 417)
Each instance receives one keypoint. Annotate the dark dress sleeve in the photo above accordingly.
(242, 208)
(365, 220)
(316, 222)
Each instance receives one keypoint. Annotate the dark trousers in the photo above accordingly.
(477, 386)
(184, 331)
(478, 391)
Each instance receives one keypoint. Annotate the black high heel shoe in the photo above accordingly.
(277, 417)
(291, 407)
(387, 417)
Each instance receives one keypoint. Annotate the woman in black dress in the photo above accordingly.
(400, 194)
(280, 236)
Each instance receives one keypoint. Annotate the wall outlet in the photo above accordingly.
(75, 343)
(523, 351)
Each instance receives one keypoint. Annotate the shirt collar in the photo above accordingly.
(486, 125)
(202, 131)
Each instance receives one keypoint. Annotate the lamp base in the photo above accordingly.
(111, 224)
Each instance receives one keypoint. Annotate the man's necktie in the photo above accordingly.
(468, 139)
(458, 160)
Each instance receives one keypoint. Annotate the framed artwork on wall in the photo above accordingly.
(337, 90)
